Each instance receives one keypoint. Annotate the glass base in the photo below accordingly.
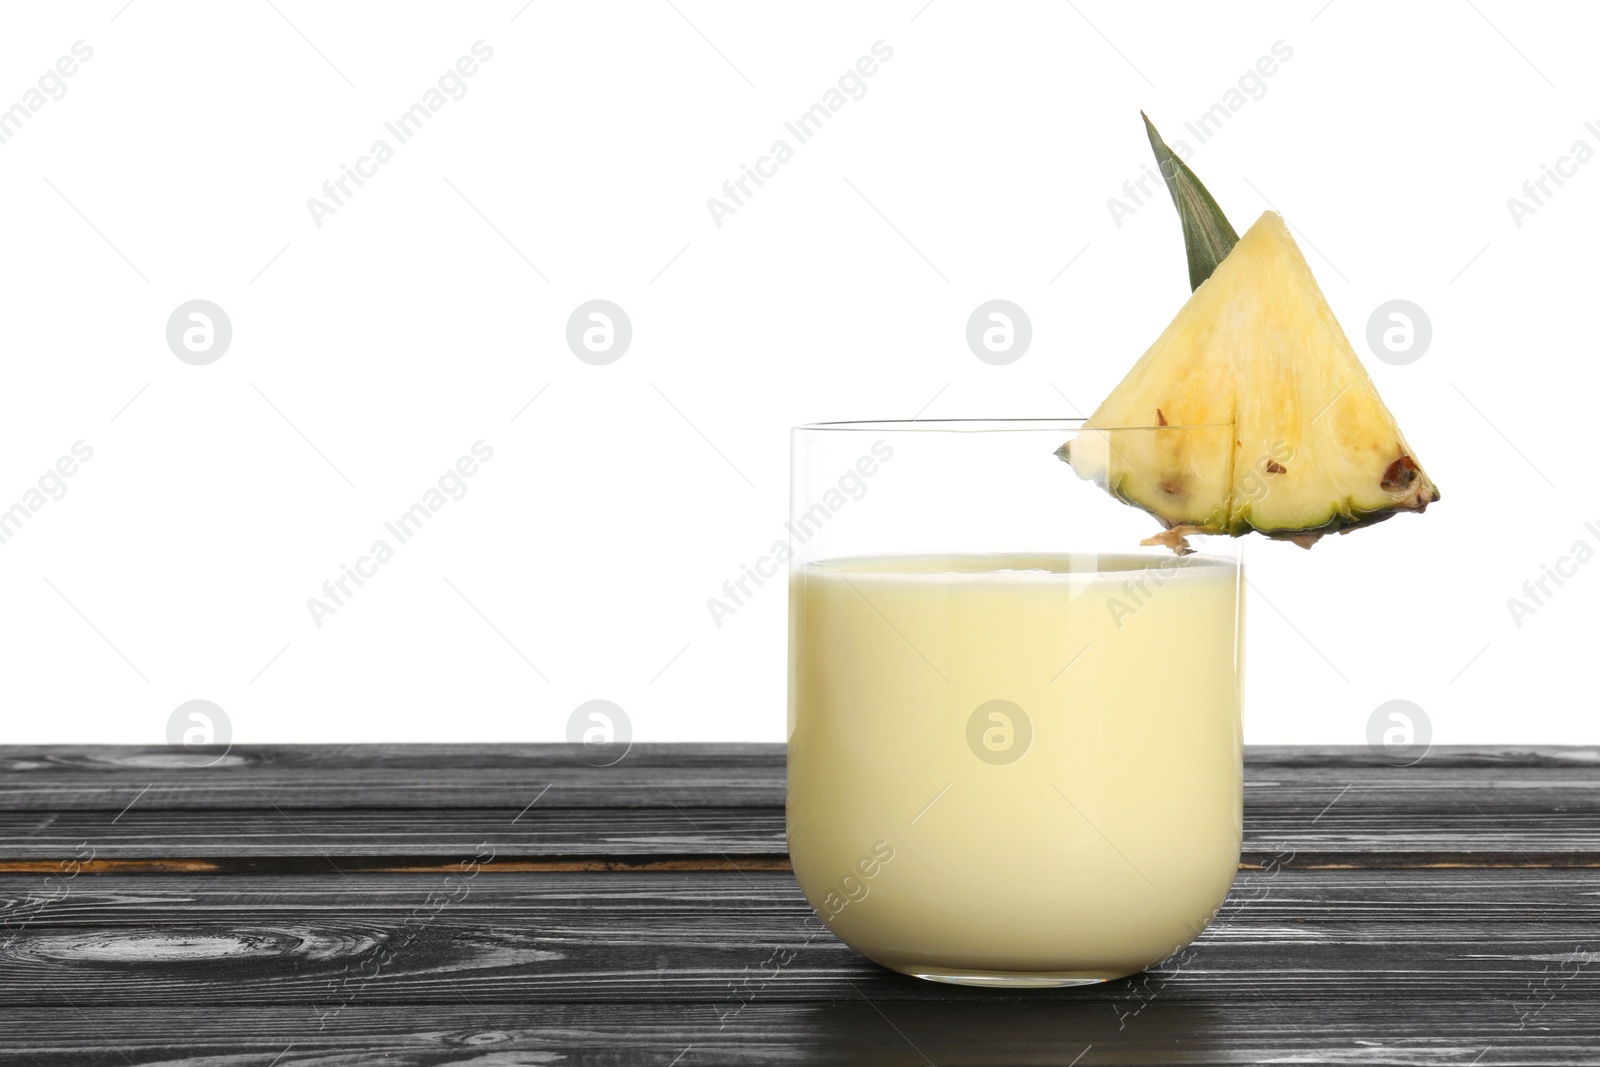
(1012, 979)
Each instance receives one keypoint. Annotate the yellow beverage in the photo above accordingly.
(1015, 768)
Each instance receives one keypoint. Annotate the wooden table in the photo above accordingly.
(510, 905)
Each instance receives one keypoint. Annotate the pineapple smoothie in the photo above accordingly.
(1025, 768)
(1017, 768)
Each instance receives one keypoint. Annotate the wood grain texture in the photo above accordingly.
(397, 807)
(408, 777)
(106, 778)
(1005, 1031)
(633, 937)
(307, 906)
(1316, 966)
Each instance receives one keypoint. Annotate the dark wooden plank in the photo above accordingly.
(107, 777)
(1296, 937)
(1344, 836)
(412, 806)
(1307, 963)
(1339, 758)
(1423, 897)
(1357, 967)
(1060, 1031)
(393, 835)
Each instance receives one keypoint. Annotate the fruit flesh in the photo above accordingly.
(1274, 425)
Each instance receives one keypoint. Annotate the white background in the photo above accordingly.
(426, 312)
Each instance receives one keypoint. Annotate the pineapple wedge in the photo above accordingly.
(1313, 449)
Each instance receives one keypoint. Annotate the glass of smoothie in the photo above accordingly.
(1014, 731)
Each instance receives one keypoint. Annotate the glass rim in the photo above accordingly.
(1008, 425)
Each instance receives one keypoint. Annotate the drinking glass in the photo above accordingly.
(1014, 731)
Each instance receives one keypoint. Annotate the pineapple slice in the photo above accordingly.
(1312, 448)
